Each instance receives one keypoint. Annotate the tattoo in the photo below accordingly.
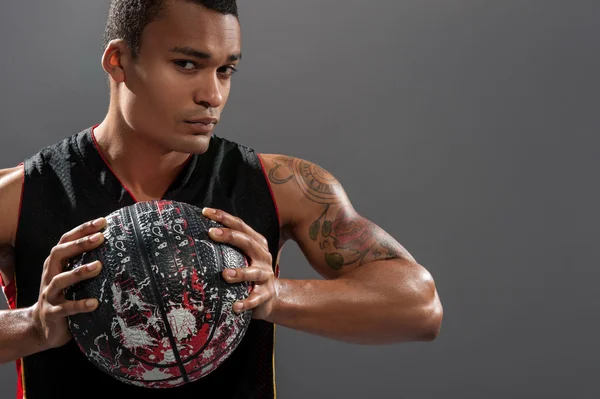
(355, 240)
(317, 184)
(345, 238)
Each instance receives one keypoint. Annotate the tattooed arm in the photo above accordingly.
(374, 291)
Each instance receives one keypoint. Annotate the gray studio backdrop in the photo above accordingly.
(467, 129)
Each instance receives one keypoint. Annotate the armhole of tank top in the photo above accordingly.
(22, 164)
(264, 171)
(10, 292)
(10, 289)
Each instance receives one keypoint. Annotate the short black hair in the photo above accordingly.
(128, 18)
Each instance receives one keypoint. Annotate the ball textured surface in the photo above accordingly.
(165, 314)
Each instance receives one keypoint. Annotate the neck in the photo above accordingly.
(143, 167)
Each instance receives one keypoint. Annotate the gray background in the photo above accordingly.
(464, 128)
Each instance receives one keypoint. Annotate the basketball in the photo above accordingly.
(165, 314)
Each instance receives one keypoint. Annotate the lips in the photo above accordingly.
(204, 121)
(202, 126)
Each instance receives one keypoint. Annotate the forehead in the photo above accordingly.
(183, 23)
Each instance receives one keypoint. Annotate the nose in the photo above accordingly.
(209, 92)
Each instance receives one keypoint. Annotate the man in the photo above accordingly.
(169, 65)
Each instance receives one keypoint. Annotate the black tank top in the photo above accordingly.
(70, 183)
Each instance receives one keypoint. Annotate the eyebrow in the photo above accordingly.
(189, 51)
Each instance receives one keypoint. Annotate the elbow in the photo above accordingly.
(431, 312)
(432, 323)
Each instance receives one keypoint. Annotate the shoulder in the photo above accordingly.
(310, 179)
(232, 153)
(52, 156)
(11, 185)
(222, 143)
(12, 181)
(301, 187)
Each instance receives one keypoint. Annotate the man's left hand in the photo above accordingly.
(259, 271)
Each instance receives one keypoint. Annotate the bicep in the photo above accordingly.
(320, 218)
(339, 240)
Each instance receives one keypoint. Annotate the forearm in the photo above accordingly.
(378, 303)
(18, 336)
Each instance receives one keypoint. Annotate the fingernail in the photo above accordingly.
(231, 273)
(90, 303)
(95, 237)
(97, 222)
(216, 232)
(210, 211)
(237, 307)
(93, 266)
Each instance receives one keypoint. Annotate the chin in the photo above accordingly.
(193, 144)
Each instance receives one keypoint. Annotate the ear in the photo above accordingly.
(115, 59)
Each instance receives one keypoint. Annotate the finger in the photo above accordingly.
(235, 223)
(61, 253)
(70, 308)
(252, 274)
(254, 300)
(64, 280)
(83, 230)
(240, 240)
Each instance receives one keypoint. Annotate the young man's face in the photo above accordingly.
(171, 94)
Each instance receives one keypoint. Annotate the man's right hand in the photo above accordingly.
(51, 310)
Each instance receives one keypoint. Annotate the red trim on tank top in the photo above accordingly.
(20, 200)
(19, 365)
(108, 165)
(111, 169)
(262, 165)
(9, 292)
(10, 289)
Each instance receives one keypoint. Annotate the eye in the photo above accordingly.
(227, 71)
(185, 64)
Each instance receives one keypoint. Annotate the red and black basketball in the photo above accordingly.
(165, 313)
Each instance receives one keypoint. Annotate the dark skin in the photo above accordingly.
(373, 290)
(7, 260)
(346, 240)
